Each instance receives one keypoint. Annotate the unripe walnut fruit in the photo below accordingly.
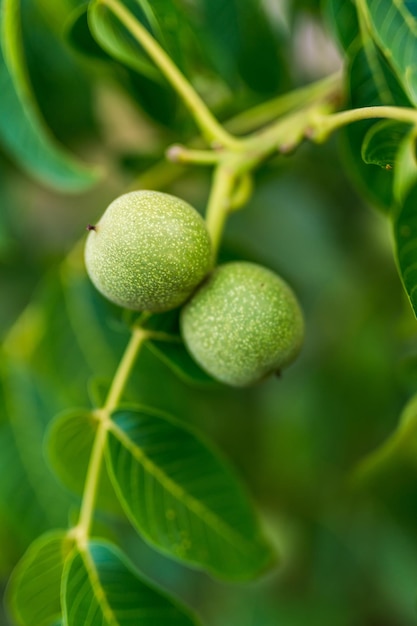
(148, 252)
(242, 324)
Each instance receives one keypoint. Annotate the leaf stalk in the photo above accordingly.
(212, 130)
(82, 530)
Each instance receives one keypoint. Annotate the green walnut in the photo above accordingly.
(148, 252)
(242, 324)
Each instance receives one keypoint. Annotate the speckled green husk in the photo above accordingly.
(149, 251)
(242, 324)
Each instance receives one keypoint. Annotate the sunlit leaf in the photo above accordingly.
(34, 592)
(22, 129)
(182, 498)
(394, 27)
(100, 587)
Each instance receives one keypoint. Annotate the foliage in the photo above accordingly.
(107, 423)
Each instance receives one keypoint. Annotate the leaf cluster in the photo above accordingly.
(131, 470)
(379, 40)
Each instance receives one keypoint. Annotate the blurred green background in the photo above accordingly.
(347, 556)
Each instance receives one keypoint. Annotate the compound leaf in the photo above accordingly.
(34, 592)
(101, 588)
(181, 497)
(22, 129)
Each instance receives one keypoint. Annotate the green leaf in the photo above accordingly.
(93, 320)
(50, 353)
(182, 497)
(42, 371)
(394, 28)
(380, 145)
(79, 36)
(34, 592)
(145, 83)
(343, 20)
(174, 28)
(149, 86)
(70, 440)
(22, 129)
(405, 175)
(20, 502)
(27, 405)
(371, 83)
(234, 30)
(56, 74)
(382, 467)
(100, 587)
(405, 218)
(31, 500)
(98, 389)
(177, 358)
(117, 41)
(157, 99)
(171, 350)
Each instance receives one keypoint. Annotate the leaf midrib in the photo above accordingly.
(195, 506)
(96, 586)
